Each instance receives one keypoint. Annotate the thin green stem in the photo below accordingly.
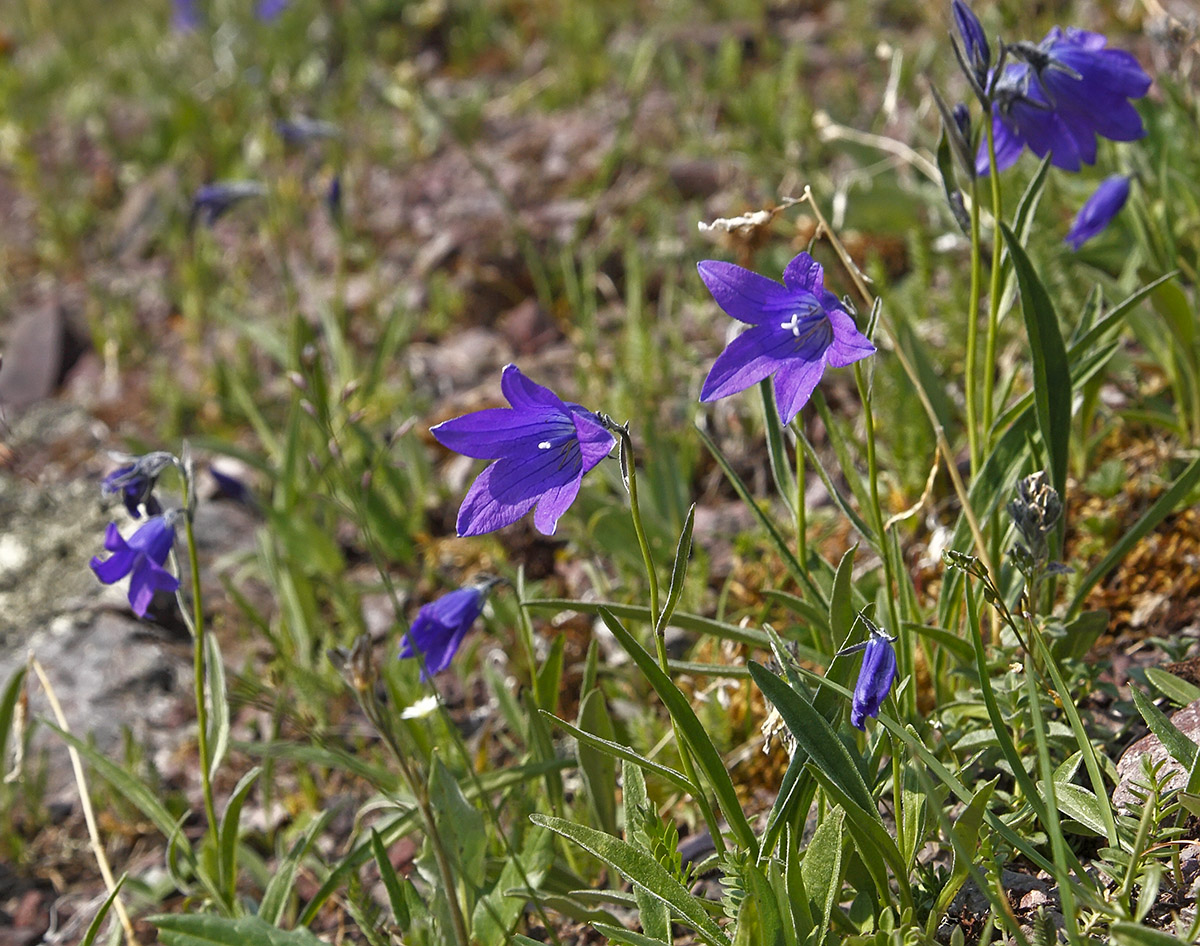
(629, 471)
(989, 358)
(200, 669)
(972, 367)
(801, 512)
(417, 786)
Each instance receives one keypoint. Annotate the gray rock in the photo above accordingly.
(1129, 766)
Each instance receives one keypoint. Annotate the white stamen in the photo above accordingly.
(793, 324)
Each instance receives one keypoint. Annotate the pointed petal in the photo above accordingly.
(595, 441)
(524, 394)
(461, 606)
(849, 344)
(115, 567)
(147, 578)
(553, 503)
(113, 540)
(500, 431)
(485, 510)
(752, 356)
(804, 274)
(744, 295)
(794, 385)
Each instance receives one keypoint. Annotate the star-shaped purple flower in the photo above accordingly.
(1098, 211)
(542, 446)
(1064, 91)
(141, 557)
(797, 329)
(440, 626)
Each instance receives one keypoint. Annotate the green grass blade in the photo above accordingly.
(198, 929)
(1051, 370)
(683, 552)
(641, 869)
(227, 834)
(689, 622)
(93, 929)
(811, 730)
(626, 754)
(275, 897)
(694, 733)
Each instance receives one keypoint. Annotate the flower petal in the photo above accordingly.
(804, 274)
(483, 510)
(595, 440)
(553, 503)
(794, 385)
(115, 567)
(849, 344)
(500, 431)
(524, 394)
(745, 295)
(874, 680)
(147, 578)
(749, 358)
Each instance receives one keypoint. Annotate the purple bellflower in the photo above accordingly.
(975, 52)
(268, 10)
(211, 201)
(185, 16)
(135, 482)
(440, 627)
(796, 330)
(1098, 211)
(1061, 94)
(542, 446)
(875, 678)
(141, 557)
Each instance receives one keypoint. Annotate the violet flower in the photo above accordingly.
(141, 557)
(542, 446)
(875, 678)
(975, 53)
(135, 483)
(1098, 211)
(440, 627)
(1064, 91)
(211, 201)
(796, 330)
(267, 10)
(185, 16)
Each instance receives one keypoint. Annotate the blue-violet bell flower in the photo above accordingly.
(976, 53)
(543, 446)
(1061, 94)
(141, 557)
(268, 10)
(185, 16)
(1098, 211)
(135, 483)
(875, 678)
(796, 329)
(440, 626)
(212, 201)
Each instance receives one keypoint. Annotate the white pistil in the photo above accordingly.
(793, 324)
(544, 445)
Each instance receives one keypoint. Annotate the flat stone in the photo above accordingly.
(1129, 766)
(38, 352)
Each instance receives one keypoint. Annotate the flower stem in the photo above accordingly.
(801, 512)
(989, 358)
(199, 667)
(972, 367)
